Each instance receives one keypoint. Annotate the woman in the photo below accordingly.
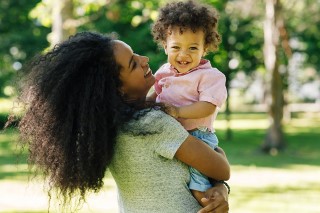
(86, 112)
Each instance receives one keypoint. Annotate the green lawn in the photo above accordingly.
(285, 182)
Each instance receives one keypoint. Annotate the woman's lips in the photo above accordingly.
(148, 72)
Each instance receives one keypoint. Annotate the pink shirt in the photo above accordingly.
(203, 83)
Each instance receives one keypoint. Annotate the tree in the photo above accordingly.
(304, 26)
(20, 38)
(61, 13)
(274, 139)
(64, 17)
(129, 19)
(241, 44)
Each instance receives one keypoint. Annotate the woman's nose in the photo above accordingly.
(144, 60)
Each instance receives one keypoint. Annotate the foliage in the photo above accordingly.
(20, 38)
(304, 28)
(249, 130)
(242, 40)
(25, 26)
(131, 21)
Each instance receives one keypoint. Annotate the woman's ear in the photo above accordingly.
(121, 92)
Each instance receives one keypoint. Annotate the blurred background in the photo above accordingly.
(269, 127)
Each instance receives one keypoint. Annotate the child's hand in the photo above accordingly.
(171, 110)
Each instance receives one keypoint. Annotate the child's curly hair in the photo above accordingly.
(188, 15)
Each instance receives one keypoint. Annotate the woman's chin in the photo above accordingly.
(150, 79)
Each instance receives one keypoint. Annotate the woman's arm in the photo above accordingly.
(200, 156)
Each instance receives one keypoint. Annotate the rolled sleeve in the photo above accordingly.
(160, 74)
(213, 89)
(171, 138)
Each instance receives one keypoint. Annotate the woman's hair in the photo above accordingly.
(73, 113)
(188, 15)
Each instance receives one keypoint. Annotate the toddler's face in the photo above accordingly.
(184, 50)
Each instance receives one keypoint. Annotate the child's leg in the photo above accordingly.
(198, 196)
(199, 183)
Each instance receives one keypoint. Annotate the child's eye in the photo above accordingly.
(175, 47)
(193, 48)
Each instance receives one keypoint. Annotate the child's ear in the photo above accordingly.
(204, 52)
(164, 45)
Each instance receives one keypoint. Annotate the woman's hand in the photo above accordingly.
(216, 199)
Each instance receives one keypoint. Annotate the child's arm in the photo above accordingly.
(152, 96)
(198, 109)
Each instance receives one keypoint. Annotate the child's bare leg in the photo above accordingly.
(198, 195)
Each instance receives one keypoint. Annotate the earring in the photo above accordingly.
(122, 94)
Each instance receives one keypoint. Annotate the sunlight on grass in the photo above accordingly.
(303, 124)
(32, 198)
(13, 168)
(256, 190)
(278, 200)
(242, 124)
(287, 182)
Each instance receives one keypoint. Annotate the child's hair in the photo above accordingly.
(188, 15)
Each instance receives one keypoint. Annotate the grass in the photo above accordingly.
(285, 182)
(302, 140)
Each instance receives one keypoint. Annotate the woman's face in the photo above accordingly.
(135, 74)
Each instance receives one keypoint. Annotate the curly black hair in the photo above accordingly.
(73, 113)
(188, 15)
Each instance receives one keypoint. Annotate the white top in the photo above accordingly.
(148, 177)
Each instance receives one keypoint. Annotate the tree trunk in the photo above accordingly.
(274, 139)
(228, 111)
(61, 13)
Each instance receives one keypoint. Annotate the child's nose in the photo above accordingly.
(183, 53)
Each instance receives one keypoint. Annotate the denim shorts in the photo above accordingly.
(199, 181)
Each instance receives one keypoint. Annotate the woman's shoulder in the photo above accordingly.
(150, 121)
(153, 116)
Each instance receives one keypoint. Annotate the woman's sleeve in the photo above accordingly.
(171, 137)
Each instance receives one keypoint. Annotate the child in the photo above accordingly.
(190, 87)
